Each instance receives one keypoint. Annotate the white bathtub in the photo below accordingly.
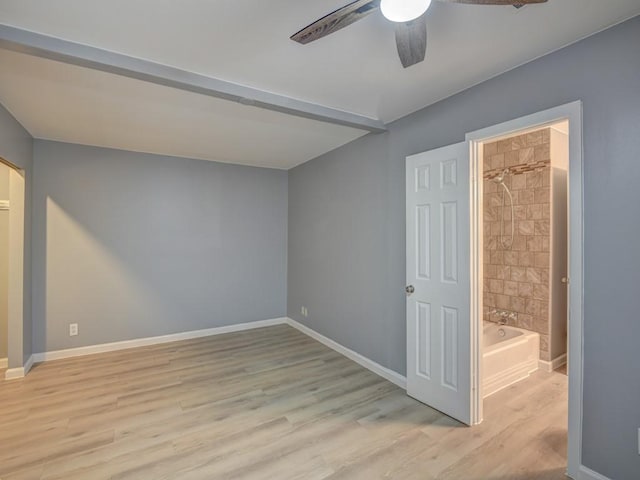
(510, 354)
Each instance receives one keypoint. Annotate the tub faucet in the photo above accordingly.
(503, 315)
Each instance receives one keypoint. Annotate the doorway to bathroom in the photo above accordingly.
(525, 267)
(446, 251)
(526, 244)
(12, 269)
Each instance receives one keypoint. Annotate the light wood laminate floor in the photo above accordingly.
(262, 404)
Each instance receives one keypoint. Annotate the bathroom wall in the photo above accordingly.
(516, 275)
(559, 241)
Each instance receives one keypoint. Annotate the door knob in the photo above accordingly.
(565, 280)
(409, 289)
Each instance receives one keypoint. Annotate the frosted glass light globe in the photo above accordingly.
(403, 10)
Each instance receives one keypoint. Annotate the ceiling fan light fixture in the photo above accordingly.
(403, 10)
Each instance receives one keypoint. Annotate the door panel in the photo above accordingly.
(438, 315)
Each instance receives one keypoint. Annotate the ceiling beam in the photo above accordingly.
(44, 46)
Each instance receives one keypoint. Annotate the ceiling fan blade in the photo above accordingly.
(411, 41)
(515, 3)
(336, 20)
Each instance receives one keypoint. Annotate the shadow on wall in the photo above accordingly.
(135, 245)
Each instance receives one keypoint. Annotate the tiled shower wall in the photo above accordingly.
(516, 275)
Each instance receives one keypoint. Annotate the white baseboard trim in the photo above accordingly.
(554, 364)
(367, 363)
(588, 474)
(20, 372)
(144, 342)
(4, 362)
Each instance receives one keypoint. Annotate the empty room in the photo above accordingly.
(371, 239)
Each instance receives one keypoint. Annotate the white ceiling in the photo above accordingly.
(247, 42)
(72, 104)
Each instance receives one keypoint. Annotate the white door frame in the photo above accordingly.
(573, 113)
(15, 326)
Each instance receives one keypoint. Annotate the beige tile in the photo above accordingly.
(541, 153)
(542, 227)
(490, 187)
(520, 212)
(503, 272)
(544, 272)
(546, 246)
(525, 259)
(517, 304)
(542, 195)
(540, 324)
(504, 145)
(510, 288)
(497, 161)
(519, 244)
(491, 271)
(526, 155)
(544, 347)
(546, 177)
(541, 260)
(532, 306)
(546, 211)
(494, 199)
(534, 275)
(525, 321)
(497, 257)
(534, 212)
(535, 138)
(489, 299)
(525, 197)
(495, 228)
(519, 274)
(526, 227)
(534, 244)
(496, 286)
(541, 292)
(525, 290)
(511, 258)
(503, 301)
(511, 159)
(518, 182)
(490, 148)
(519, 142)
(490, 215)
(534, 179)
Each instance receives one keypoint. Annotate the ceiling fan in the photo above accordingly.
(408, 16)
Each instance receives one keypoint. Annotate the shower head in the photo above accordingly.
(501, 176)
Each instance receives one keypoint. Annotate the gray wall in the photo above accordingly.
(16, 146)
(347, 241)
(132, 245)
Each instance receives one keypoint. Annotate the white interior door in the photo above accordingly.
(438, 276)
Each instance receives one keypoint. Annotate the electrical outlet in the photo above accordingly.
(73, 329)
(304, 311)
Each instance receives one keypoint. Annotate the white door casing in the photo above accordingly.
(438, 269)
